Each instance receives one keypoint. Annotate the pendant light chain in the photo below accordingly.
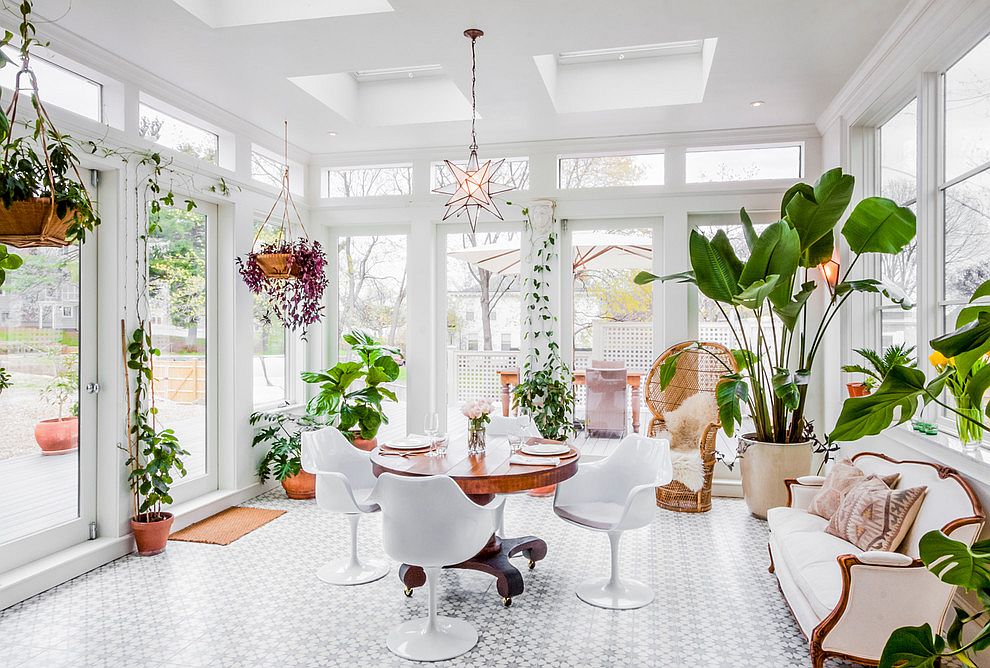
(474, 99)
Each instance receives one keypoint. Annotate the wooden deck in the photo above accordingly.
(37, 493)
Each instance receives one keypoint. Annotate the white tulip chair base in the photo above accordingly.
(448, 638)
(347, 572)
(623, 595)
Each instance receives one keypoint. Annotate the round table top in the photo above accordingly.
(477, 475)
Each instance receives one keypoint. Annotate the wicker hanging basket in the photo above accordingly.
(33, 224)
(277, 265)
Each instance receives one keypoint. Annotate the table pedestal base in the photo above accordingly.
(492, 559)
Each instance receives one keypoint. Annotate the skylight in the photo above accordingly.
(623, 52)
(229, 13)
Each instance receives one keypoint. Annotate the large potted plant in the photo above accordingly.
(153, 453)
(764, 298)
(59, 435)
(351, 393)
(43, 201)
(281, 432)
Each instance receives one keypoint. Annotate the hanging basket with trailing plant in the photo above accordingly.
(289, 271)
(42, 200)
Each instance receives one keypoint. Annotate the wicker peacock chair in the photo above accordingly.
(698, 370)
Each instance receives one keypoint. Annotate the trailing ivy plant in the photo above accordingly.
(546, 389)
(282, 432)
(153, 454)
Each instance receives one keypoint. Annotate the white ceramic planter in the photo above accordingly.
(764, 468)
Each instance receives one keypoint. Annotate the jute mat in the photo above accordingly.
(226, 526)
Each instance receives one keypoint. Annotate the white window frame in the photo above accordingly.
(802, 162)
(631, 153)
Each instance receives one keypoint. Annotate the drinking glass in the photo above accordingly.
(439, 445)
(431, 427)
(515, 442)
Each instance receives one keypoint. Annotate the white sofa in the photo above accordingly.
(847, 601)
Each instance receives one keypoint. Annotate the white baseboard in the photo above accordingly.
(31, 579)
(730, 488)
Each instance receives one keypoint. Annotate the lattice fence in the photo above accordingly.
(475, 373)
(630, 342)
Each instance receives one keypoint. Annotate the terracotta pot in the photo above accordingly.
(857, 389)
(58, 435)
(362, 443)
(152, 537)
(300, 486)
(764, 468)
(542, 492)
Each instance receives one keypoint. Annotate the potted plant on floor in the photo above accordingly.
(153, 454)
(351, 393)
(43, 202)
(282, 461)
(778, 340)
(60, 435)
(880, 364)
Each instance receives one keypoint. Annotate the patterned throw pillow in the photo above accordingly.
(872, 516)
(843, 477)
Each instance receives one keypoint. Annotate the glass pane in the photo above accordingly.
(967, 112)
(967, 235)
(743, 164)
(372, 282)
(178, 135)
(898, 327)
(374, 181)
(39, 348)
(608, 171)
(177, 307)
(58, 86)
(268, 169)
(269, 345)
(899, 155)
(484, 330)
(514, 172)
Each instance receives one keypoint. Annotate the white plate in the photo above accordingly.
(410, 442)
(546, 449)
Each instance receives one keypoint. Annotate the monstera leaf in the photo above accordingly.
(912, 647)
(972, 313)
(956, 563)
(870, 415)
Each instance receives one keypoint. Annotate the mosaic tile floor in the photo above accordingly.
(257, 602)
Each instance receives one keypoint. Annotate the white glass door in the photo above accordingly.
(181, 294)
(47, 417)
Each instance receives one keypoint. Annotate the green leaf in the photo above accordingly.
(730, 393)
(969, 337)
(802, 188)
(753, 296)
(667, 370)
(786, 388)
(819, 252)
(749, 230)
(645, 277)
(965, 360)
(879, 225)
(721, 243)
(776, 251)
(978, 386)
(912, 647)
(791, 311)
(813, 219)
(892, 292)
(712, 271)
(956, 563)
(870, 415)
(744, 358)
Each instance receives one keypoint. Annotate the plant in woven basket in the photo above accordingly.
(289, 272)
(43, 201)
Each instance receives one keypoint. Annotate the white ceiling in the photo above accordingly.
(794, 55)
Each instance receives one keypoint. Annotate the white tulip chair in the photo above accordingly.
(429, 522)
(344, 481)
(614, 495)
(501, 425)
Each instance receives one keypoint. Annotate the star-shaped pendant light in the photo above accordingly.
(473, 187)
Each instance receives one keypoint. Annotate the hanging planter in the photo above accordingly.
(42, 200)
(289, 272)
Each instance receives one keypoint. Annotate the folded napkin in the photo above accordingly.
(411, 437)
(526, 460)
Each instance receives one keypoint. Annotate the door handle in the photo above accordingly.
(93, 388)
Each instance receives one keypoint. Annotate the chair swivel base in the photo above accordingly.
(344, 572)
(624, 595)
(451, 637)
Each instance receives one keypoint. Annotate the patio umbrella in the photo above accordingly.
(591, 252)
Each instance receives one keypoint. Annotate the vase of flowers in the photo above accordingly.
(968, 414)
(478, 413)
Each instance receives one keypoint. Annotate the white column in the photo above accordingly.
(542, 224)
(422, 330)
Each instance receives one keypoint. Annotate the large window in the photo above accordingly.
(608, 171)
(178, 135)
(743, 164)
(57, 85)
(898, 139)
(370, 181)
(270, 364)
(513, 171)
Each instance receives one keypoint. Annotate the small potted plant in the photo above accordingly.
(60, 435)
(478, 413)
(880, 365)
(351, 393)
(153, 454)
(43, 202)
(282, 461)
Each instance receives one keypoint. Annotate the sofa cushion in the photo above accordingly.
(874, 517)
(810, 555)
(843, 477)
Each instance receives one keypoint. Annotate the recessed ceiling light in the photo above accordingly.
(332, 133)
(757, 103)
(622, 56)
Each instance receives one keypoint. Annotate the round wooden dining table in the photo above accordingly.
(481, 477)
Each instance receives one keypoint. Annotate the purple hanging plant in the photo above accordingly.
(297, 301)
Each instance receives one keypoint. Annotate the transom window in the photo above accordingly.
(57, 85)
(267, 168)
(720, 165)
(368, 181)
(178, 135)
(514, 171)
(609, 171)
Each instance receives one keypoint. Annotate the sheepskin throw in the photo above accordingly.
(688, 468)
(686, 423)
